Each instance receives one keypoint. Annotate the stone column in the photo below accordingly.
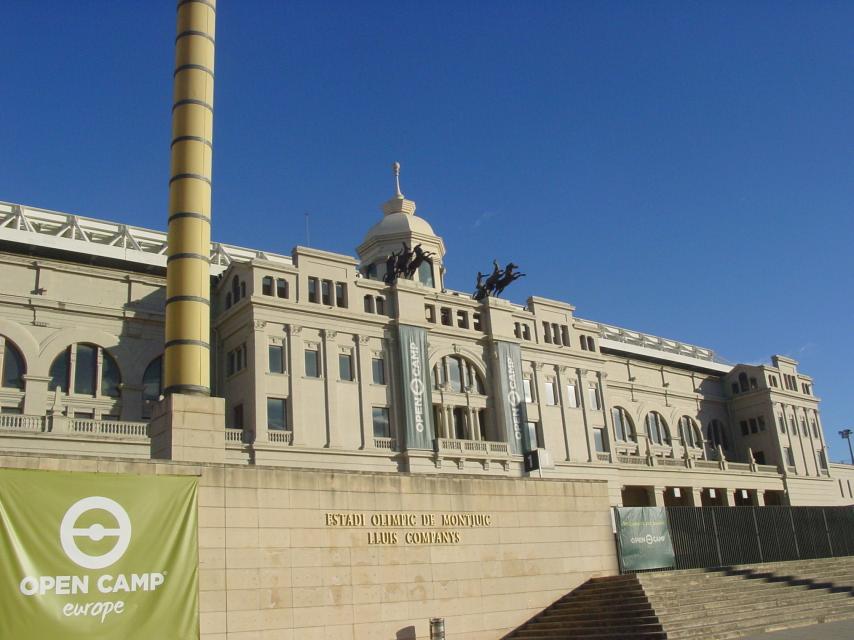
(330, 377)
(759, 497)
(609, 426)
(365, 377)
(585, 412)
(539, 385)
(132, 402)
(258, 348)
(35, 395)
(697, 496)
(296, 366)
(658, 496)
(561, 378)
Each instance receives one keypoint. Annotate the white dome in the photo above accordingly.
(397, 223)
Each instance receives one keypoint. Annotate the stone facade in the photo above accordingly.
(306, 358)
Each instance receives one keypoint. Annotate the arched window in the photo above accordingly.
(691, 436)
(281, 288)
(656, 428)
(717, 434)
(459, 417)
(460, 375)
(152, 380)
(93, 365)
(267, 285)
(13, 368)
(425, 272)
(623, 425)
(742, 381)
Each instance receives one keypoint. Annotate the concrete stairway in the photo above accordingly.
(613, 608)
(737, 601)
(700, 604)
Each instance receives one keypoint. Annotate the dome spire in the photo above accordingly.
(398, 203)
(396, 170)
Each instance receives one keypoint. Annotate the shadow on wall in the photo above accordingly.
(407, 633)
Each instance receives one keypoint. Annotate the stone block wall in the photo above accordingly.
(298, 554)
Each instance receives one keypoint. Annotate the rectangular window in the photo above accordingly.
(564, 332)
(595, 398)
(340, 294)
(517, 330)
(822, 460)
(430, 313)
(761, 421)
(526, 332)
(790, 457)
(814, 429)
(267, 286)
(475, 321)
(550, 393)
(744, 428)
(556, 334)
(446, 316)
(345, 366)
(237, 417)
(804, 431)
(547, 333)
(326, 292)
(282, 288)
(312, 363)
(599, 439)
(277, 415)
(382, 428)
(84, 369)
(276, 358)
(380, 305)
(462, 319)
(230, 361)
(526, 384)
(313, 290)
(378, 370)
(753, 427)
(571, 396)
(781, 423)
(534, 436)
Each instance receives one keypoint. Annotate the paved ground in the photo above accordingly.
(843, 630)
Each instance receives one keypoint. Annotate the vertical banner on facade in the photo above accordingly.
(512, 400)
(97, 556)
(417, 391)
(644, 538)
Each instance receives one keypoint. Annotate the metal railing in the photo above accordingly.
(117, 428)
(706, 537)
(18, 422)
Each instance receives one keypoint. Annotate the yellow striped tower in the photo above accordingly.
(187, 350)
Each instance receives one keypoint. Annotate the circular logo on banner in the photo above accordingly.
(68, 532)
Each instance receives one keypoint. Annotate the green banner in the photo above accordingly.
(512, 398)
(417, 390)
(644, 538)
(98, 556)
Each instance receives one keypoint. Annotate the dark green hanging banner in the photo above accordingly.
(417, 391)
(644, 538)
(97, 556)
(512, 399)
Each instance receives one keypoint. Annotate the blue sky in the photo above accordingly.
(680, 168)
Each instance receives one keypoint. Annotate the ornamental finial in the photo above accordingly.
(396, 169)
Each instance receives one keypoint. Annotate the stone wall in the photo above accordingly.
(307, 554)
